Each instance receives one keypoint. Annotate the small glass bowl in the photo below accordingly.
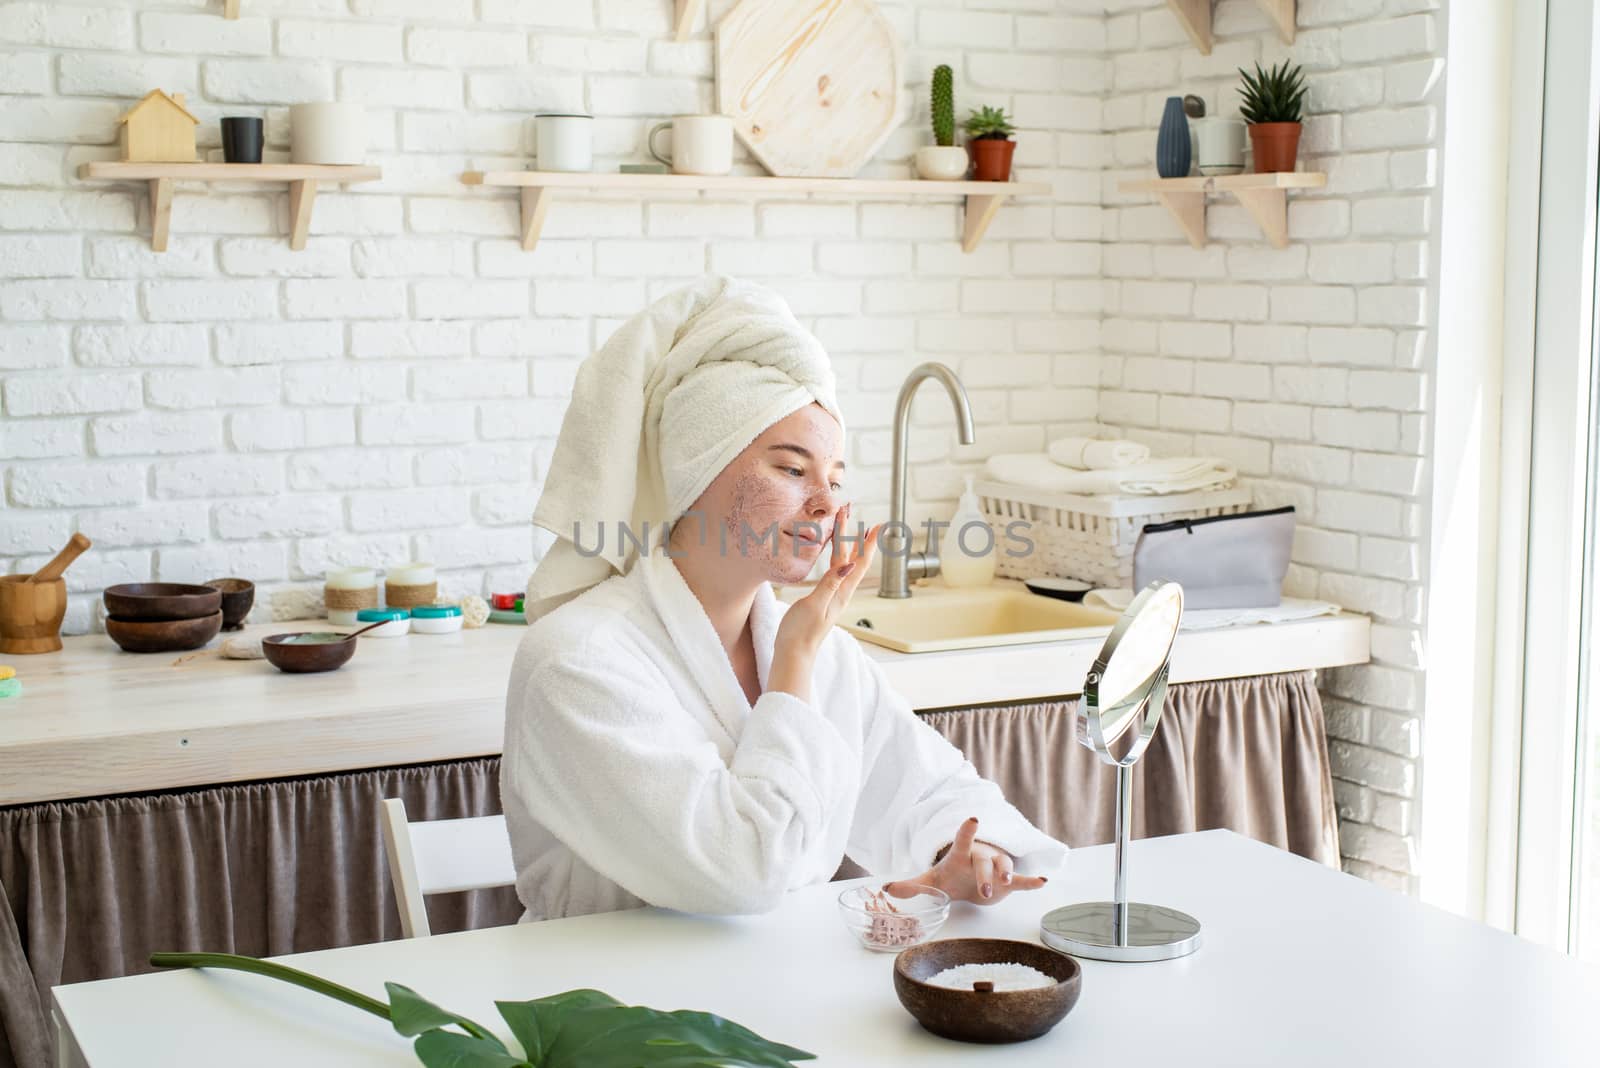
(887, 924)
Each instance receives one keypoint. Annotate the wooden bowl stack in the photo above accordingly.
(162, 617)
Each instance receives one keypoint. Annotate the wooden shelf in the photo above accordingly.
(685, 14)
(1195, 17)
(1264, 196)
(983, 199)
(303, 179)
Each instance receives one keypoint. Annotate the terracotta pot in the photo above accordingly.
(1274, 145)
(991, 158)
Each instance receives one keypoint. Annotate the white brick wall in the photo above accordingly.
(1313, 345)
(395, 389)
(231, 405)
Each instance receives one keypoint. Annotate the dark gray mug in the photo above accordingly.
(242, 139)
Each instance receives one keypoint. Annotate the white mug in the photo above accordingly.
(566, 142)
(701, 144)
(327, 133)
(1219, 145)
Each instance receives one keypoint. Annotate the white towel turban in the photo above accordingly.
(656, 414)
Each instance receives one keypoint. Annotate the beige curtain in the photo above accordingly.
(95, 887)
(1250, 755)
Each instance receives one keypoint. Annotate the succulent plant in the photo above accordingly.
(1272, 95)
(989, 124)
(944, 105)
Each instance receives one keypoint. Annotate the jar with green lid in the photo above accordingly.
(396, 622)
(436, 618)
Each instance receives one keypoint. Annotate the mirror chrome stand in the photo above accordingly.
(1123, 930)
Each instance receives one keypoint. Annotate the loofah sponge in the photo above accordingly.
(474, 611)
(242, 649)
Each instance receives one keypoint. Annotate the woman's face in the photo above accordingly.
(772, 509)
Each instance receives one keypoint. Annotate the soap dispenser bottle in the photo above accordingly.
(967, 560)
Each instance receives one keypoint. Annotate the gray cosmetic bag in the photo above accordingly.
(1225, 561)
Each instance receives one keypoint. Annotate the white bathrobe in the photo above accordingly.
(636, 772)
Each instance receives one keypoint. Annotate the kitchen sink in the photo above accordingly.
(936, 618)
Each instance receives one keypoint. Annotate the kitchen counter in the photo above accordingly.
(95, 721)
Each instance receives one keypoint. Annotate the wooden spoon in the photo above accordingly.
(62, 560)
(369, 626)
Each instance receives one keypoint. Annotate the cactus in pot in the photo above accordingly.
(990, 130)
(944, 160)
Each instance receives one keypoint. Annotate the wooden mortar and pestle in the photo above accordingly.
(33, 606)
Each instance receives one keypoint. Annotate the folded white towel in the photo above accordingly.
(676, 393)
(1093, 454)
(1288, 610)
(1148, 479)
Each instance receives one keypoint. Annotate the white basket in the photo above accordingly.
(1086, 538)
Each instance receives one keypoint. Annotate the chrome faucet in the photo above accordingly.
(900, 564)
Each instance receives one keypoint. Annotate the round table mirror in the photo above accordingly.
(1117, 716)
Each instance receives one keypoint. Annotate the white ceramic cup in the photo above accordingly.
(328, 133)
(1219, 145)
(566, 142)
(701, 144)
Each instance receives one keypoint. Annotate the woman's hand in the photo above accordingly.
(807, 622)
(971, 871)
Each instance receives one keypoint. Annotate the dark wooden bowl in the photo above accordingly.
(163, 635)
(135, 602)
(996, 1016)
(237, 597)
(298, 658)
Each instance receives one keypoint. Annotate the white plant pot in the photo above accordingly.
(1218, 145)
(328, 133)
(942, 163)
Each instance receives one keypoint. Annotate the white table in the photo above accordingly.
(1301, 966)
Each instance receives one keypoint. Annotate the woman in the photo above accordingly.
(674, 735)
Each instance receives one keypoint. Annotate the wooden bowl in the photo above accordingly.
(31, 614)
(163, 635)
(996, 1016)
(237, 596)
(294, 654)
(148, 602)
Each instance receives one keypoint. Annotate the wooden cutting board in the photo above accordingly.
(812, 86)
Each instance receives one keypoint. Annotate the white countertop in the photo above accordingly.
(93, 720)
(1299, 966)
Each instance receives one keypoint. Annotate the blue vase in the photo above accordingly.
(1172, 143)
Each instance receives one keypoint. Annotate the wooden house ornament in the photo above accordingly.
(158, 129)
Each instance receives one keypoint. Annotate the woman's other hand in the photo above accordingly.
(807, 622)
(971, 871)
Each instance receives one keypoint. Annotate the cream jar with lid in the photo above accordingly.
(347, 590)
(396, 622)
(436, 618)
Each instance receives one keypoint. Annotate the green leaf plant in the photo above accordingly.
(1272, 95)
(575, 1029)
(992, 124)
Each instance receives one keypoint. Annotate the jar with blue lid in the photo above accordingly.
(396, 622)
(436, 618)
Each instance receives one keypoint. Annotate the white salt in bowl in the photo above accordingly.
(979, 1015)
(887, 924)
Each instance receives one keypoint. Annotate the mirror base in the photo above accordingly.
(1155, 932)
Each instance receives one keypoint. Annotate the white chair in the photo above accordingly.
(441, 857)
